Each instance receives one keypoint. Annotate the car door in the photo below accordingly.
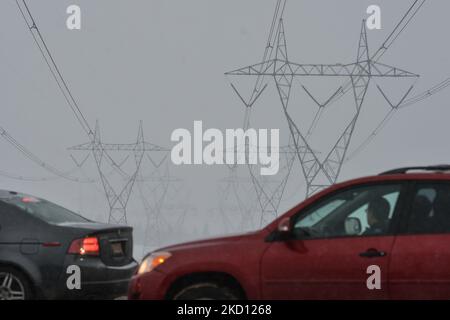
(325, 259)
(17, 232)
(420, 263)
(10, 223)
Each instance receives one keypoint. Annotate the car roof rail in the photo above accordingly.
(439, 168)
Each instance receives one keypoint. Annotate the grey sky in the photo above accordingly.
(163, 62)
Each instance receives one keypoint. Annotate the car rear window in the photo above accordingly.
(45, 210)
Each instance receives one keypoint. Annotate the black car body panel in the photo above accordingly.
(40, 250)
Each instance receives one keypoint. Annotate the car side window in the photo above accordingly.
(359, 211)
(430, 209)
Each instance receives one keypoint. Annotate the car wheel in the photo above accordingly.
(206, 291)
(14, 285)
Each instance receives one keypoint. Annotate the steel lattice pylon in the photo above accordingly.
(267, 192)
(155, 190)
(277, 66)
(118, 197)
(237, 202)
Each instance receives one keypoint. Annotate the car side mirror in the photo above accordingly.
(352, 226)
(285, 225)
(285, 229)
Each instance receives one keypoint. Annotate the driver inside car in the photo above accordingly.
(377, 216)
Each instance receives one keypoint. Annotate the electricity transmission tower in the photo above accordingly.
(277, 67)
(267, 191)
(270, 190)
(165, 205)
(237, 202)
(118, 197)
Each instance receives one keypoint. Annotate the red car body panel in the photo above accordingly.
(323, 269)
(272, 270)
(424, 258)
(224, 255)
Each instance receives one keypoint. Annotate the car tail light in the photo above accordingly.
(85, 246)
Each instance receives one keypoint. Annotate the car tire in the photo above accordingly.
(206, 291)
(14, 285)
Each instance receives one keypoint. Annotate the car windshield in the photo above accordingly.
(45, 210)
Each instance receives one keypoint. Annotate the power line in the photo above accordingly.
(32, 157)
(407, 103)
(57, 75)
(53, 67)
(13, 176)
(426, 94)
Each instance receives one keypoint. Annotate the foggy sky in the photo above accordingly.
(163, 62)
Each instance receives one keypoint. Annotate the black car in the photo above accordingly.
(42, 245)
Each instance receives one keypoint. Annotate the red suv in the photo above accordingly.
(379, 237)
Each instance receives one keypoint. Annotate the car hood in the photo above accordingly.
(207, 242)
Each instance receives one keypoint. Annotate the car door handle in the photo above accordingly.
(372, 253)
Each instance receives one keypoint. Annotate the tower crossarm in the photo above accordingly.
(331, 70)
(148, 147)
(383, 70)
